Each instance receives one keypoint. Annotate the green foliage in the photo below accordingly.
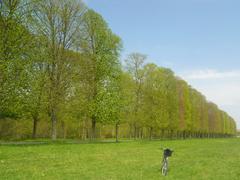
(101, 49)
(61, 61)
(15, 48)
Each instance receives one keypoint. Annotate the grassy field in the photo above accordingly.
(214, 159)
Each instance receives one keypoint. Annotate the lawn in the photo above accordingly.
(208, 159)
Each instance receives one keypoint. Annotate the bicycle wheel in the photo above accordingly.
(164, 167)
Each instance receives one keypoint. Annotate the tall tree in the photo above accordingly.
(15, 47)
(58, 21)
(134, 65)
(152, 100)
(101, 49)
(36, 98)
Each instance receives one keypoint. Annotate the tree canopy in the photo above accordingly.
(61, 75)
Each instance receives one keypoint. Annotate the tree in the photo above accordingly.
(36, 98)
(152, 101)
(127, 98)
(101, 48)
(169, 87)
(58, 21)
(185, 115)
(15, 47)
(134, 65)
(60, 61)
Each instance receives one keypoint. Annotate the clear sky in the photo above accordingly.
(198, 39)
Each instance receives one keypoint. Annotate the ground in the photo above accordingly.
(210, 159)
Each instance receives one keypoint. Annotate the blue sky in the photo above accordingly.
(198, 39)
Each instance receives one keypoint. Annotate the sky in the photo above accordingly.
(198, 39)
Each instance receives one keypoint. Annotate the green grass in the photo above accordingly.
(214, 159)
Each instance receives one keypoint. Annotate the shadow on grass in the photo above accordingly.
(41, 142)
(58, 142)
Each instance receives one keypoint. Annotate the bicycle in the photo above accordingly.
(166, 153)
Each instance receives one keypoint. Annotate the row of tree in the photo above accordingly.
(168, 107)
(60, 75)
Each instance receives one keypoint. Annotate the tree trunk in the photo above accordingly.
(135, 131)
(184, 134)
(64, 130)
(162, 133)
(84, 130)
(80, 128)
(139, 133)
(54, 124)
(130, 131)
(142, 133)
(93, 127)
(100, 132)
(84, 133)
(35, 123)
(87, 133)
(171, 134)
(117, 130)
(150, 133)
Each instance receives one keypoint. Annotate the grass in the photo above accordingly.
(208, 159)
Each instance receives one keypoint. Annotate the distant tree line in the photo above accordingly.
(61, 76)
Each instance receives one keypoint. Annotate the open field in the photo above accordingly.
(208, 159)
